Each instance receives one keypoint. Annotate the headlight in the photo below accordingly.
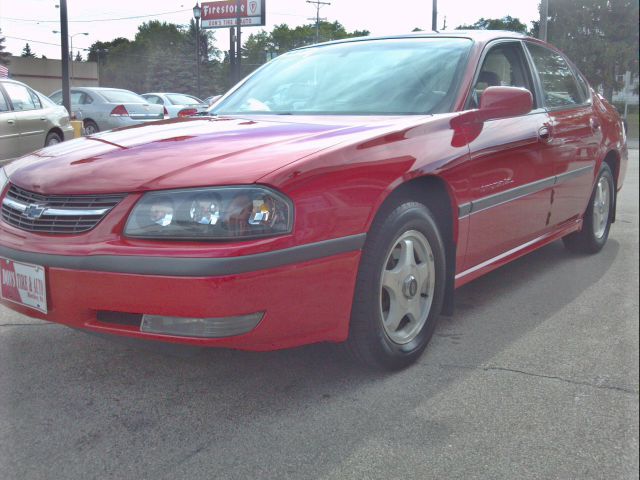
(211, 214)
(3, 179)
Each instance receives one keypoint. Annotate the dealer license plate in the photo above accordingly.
(23, 283)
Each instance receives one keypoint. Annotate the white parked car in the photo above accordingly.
(177, 104)
(102, 108)
(29, 120)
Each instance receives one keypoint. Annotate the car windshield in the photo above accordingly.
(122, 96)
(390, 77)
(179, 99)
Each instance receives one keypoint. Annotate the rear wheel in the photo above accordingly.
(52, 139)
(597, 218)
(400, 288)
(90, 127)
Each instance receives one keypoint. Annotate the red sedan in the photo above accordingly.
(340, 193)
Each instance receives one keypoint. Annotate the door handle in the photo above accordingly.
(44, 119)
(11, 122)
(544, 134)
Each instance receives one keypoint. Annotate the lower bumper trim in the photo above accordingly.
(190, 267)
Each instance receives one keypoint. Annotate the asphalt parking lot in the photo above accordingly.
(536, 376)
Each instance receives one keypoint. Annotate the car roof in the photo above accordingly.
(480, 36)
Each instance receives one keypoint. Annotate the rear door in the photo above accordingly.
(575, 133)
(30, 117)
(9, 134)
(510, 180)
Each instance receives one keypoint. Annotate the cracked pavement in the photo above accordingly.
(535, 376)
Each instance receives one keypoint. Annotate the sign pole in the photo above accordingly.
(238, 41)
(232, 55)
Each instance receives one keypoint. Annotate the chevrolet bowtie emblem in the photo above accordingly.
(33, 211)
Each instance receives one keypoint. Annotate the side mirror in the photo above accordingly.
(503, 102)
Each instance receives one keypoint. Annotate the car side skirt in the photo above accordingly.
(476, 271)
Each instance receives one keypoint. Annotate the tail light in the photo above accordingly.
(165, 112)
(187, 112)
(119, 111)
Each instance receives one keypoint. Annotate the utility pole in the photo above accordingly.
(318, 5)
(238, 41)
(64, 52)
(434, 16)
(544, 15)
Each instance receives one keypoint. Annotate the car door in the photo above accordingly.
(574, 135)
(30, 116)
(509, 179)
(9, 134)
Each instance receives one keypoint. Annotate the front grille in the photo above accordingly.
(57, 214)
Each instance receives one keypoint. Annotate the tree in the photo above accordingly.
(600, 36)
(284, 38)
(4, 56)
(504, 23)
(78, 57)
(26, 52)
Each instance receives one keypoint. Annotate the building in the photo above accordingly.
(45, 75)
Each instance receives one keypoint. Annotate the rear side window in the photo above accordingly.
(57, 98)
(559, 84)
(153, 99)
(4, 107)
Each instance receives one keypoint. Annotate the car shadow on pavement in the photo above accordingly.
(62, 390)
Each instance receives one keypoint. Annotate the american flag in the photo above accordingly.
(4, 72)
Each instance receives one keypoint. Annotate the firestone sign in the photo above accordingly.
(225, 14)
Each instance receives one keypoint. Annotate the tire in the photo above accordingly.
(597, 218)
(389, 288)
(90, 127)
(52, 139)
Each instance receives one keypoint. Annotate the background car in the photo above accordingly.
(177, 104)
(106, 108)
(29, 120)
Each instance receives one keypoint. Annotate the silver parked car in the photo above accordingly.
(106, 108)
(177, 104)
(29, 120)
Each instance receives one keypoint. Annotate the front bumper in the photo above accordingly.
(305, 293)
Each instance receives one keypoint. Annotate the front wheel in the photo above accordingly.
(597, 218)
(400, 288)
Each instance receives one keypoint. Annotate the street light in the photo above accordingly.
(197, 11)
(71, 38)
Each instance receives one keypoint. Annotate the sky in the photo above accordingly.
(33, 21)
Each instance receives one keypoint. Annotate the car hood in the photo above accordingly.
(198, 151)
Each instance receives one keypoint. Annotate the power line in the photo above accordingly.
(38, 41)
(97, 19)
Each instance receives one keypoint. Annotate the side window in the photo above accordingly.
(559, 84)
(87, 99)
(4, 106)
(20, 97)
(76, 97)
(154, 99)
(503, 65)
(35, 99)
